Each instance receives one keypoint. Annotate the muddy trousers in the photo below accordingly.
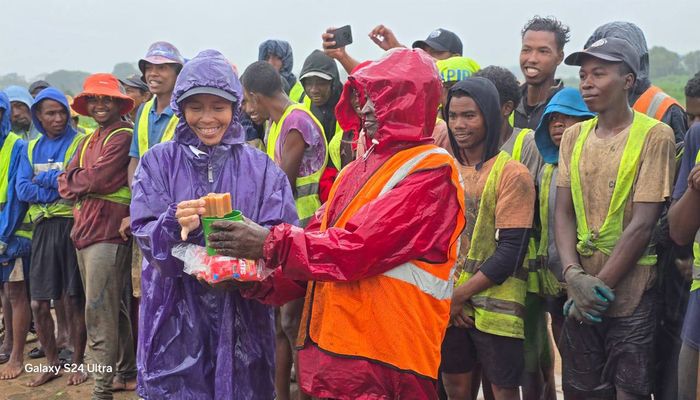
(105, 269)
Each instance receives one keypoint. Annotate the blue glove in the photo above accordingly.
(48, 179)
(590, 294)
(571, 311)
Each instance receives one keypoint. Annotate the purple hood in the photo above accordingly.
(208, 69)
(196, 342)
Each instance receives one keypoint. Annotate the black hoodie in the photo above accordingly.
(485, 94)
(512, 242)
(317, 61)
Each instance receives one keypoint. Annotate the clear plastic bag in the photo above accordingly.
(218, 268)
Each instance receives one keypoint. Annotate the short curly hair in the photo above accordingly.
(692, 88)
(506, 83)
(548, 24)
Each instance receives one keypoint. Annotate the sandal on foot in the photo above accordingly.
(65, 356)
(36, 353)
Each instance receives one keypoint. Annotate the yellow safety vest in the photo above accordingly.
(296, 92)
(500, 309)
(336, 141)
(25, 228)
(307, 199)
(548, 283)
(142, 132)
(5, 155)
(85, 130)
(696, 252)
(123, 194)
(605, 237)
(535, 269)
(61, 207)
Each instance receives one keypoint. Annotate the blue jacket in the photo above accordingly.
(13, 211)
(48, 154)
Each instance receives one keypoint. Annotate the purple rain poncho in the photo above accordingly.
(196, 342)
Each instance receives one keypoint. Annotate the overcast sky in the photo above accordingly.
(92, 35)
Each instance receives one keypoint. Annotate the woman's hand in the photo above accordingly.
(187, 214)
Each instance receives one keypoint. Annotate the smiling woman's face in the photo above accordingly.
(209, 116)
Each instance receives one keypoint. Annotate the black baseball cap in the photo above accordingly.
(441, 40)
(608, 49)
(135, 82)
(38, 85)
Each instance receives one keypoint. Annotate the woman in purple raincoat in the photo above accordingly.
(195, 341)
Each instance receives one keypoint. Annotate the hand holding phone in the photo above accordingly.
(341, 36)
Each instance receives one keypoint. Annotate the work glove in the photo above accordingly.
(571, 311)
(589, 294)
(3, 247)
(48, 179)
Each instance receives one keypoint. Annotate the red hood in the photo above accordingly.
(404, 86)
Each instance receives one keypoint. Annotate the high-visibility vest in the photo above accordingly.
(654, 103)
(61, 207)
(296, 92)
(535, 269)
(25, 228)
(336, 140)
(518, 144)
(500, 309)
(548, 283)
(123, 194)
(85, 130)
(696, 252)
(307, 200)
(142, 132)
(5, 155)
(605, 237)
(397, 318)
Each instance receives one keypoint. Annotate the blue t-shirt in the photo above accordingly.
(691, 325)
(690, 152)
(156, 126)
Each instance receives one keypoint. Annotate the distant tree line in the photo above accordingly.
(71, 82)
(668, 69)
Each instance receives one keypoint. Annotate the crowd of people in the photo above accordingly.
(432, 228)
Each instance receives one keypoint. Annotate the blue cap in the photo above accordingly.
(567, 101)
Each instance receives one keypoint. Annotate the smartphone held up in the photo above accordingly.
(341, 36)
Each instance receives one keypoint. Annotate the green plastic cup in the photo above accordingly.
(234, 215)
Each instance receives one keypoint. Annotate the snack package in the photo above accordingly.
(215, 269)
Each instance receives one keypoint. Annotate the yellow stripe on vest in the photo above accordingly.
(123, 194)
(500, 309)
(142, 132)
(307, 200)
(605, 237)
